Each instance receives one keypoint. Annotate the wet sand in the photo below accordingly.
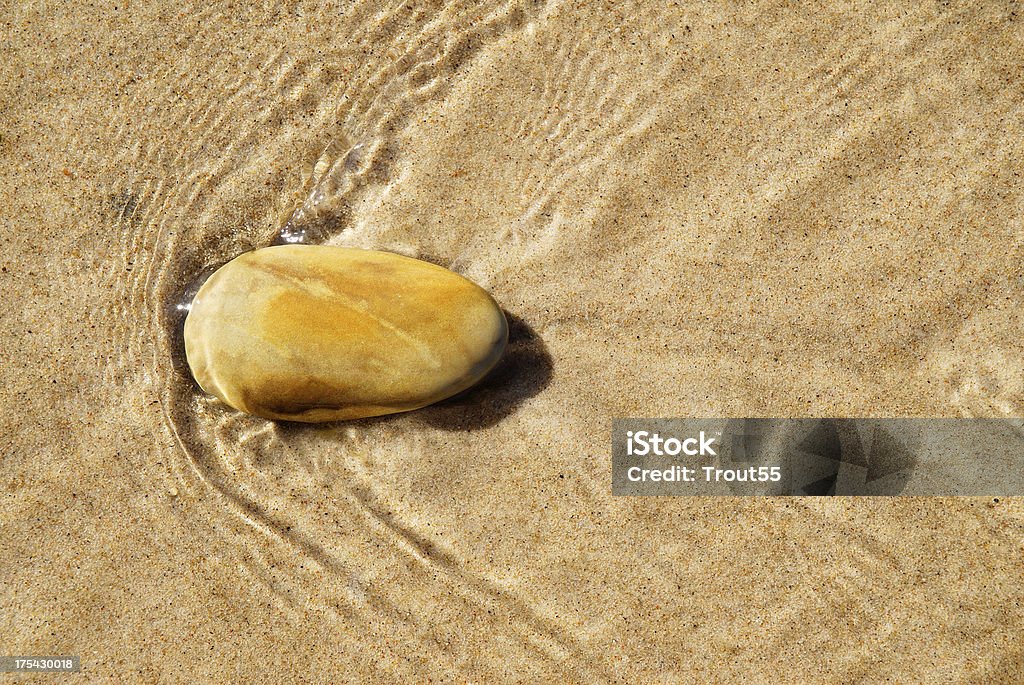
(685, 210)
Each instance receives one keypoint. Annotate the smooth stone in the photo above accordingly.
(314, 333)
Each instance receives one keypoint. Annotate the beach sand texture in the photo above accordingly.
(686, 209)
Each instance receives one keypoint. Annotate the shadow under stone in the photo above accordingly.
(524, 371)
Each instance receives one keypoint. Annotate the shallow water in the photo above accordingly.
(685, 210)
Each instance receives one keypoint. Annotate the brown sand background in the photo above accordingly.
(690, 209)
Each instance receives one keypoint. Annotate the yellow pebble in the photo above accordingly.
(315, 333)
